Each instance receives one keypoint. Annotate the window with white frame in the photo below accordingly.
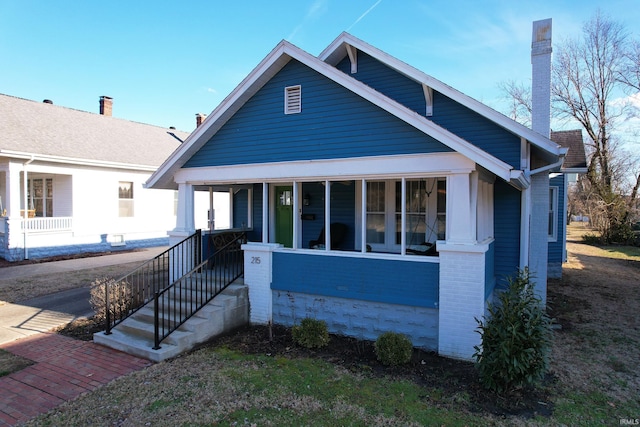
(425, 213)
(553, 214)
(292, 99)
(125, 199)
(40, 196)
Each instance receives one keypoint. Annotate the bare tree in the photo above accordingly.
(588, 74)
(519, 98)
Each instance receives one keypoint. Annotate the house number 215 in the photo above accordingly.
(255, 260)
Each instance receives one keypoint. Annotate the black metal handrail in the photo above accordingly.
(174, 305)
(129, 293)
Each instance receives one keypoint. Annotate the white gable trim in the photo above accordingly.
(384, 167)
(333, 53)
(269, 66)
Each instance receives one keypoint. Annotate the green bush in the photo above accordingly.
(516, 339)
(311, 333)
(592, 239)
(393, 349)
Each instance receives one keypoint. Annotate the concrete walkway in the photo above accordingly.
(63, 367)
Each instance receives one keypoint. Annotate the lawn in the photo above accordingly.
(594, 379)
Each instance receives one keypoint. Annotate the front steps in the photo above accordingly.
(134, 335)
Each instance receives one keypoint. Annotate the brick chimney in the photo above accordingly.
(200, 118)
(541, 77)
(106, 105)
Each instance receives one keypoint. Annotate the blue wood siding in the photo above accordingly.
(240, 209)
(555, 248)
(389, 281)
(240, 212)
(506, 225)
(387, 81)
(334, 123)
(447, 113)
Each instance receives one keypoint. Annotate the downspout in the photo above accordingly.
(546, 168)
(25, 228)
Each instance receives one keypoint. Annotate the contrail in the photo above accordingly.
(364, 14)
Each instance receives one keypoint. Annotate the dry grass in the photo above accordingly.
(594, 360)
(596, 303)
(11, 363)
(16, 290)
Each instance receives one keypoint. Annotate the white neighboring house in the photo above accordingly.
(72, 181)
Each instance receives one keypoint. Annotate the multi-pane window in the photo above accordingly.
(425, 213)
(40, 196)
(125, 199)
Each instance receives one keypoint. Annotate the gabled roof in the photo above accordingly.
(337, 51)
(54, 133)
(285, 51)
(575, 160)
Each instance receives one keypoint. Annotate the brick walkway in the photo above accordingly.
(64, 368)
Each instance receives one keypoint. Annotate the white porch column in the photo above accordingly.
(12, 202)
(461, 208)
(462, 271)
(258, 259)
(185, 222)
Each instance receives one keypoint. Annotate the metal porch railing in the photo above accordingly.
(174, 305)
(129, 293)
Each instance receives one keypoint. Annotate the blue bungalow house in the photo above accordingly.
(375, 197)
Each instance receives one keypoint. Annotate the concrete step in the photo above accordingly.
(137, 346)
(135, 335)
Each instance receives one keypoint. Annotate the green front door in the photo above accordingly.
(284, 216)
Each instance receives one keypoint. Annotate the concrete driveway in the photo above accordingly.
(41, 314)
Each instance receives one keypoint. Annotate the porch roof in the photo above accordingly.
(30, 129)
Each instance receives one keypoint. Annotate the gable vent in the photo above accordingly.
(292, 99)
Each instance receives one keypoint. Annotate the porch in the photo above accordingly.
(399, 250)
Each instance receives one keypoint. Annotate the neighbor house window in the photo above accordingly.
(292, 99)
(425, 210)
(125, 199)
(40, 196)
(553, 214)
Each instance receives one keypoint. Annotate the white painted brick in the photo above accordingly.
(461, 302)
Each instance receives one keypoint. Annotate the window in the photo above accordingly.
(40, 196)
(425, 210)
(125, 199)
(553, 214)
(292, 99)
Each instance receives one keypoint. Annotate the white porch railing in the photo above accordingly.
(56, 223)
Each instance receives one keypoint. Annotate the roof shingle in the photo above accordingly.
(51, 130)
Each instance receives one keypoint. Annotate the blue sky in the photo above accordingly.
(165, 61)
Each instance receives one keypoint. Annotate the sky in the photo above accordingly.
(164, 61)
